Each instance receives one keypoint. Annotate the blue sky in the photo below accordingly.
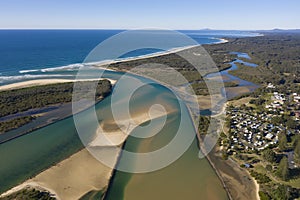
(170, 14)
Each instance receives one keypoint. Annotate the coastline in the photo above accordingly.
(129, 59)
(73, 187)
(103, 63)
(39, 82)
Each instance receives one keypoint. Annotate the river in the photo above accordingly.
(189, 177)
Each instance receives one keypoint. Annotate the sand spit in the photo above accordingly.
(38, 82)
(77, 175)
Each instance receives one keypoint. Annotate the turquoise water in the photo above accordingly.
(32, 54)
(187, 178)
(24, 157)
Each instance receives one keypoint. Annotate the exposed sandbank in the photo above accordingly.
(77, 175)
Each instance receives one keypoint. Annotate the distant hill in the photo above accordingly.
(281, 31)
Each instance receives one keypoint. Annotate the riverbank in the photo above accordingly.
(48, 109)
(81, 173)
(56, 180)
(237, 181)
(71, 178)
(231, 182)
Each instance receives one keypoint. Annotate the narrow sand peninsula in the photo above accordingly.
(114, 134)
(81, 173)
(71, 178)
(39, 82)
(29, 185)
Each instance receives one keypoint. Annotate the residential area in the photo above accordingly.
(263, 136)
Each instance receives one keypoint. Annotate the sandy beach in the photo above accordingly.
(170, 51)
(115, 136)
(38, 82)
(81, 173)
(71, 178)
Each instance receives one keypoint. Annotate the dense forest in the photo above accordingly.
(21, 100)
(277, 56)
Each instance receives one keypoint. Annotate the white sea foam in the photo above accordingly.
(71, 67)
(77, 66)
(221, 40)
(28, 71)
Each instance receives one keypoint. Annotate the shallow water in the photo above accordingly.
(187, 177)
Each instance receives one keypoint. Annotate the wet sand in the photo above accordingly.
(77, 175)
(69, 186)
(71, 178)
(237, 181)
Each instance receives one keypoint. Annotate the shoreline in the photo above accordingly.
(152, 55)
(236, 180)
(149, 56)
(41, 180)
(40, 82)
(105, 62)
(63, 111)
(30, 185)
(231, 175)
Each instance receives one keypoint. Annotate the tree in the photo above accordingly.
(292, 124)
(282, 141)
(283, 169)
(269, 155)
(297, 151)
(204, 123)
(269, 168)
(277, 120)
(284, 192)
(263, 196)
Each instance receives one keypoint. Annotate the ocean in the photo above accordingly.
(42, 54)
(31, 54)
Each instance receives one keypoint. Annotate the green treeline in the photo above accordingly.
(29, 194)
(19, 100)
(14, 123)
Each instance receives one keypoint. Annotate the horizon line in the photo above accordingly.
(124, 29)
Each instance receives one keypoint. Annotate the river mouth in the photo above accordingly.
(189, 175)
(61, 140)
(169, 183)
